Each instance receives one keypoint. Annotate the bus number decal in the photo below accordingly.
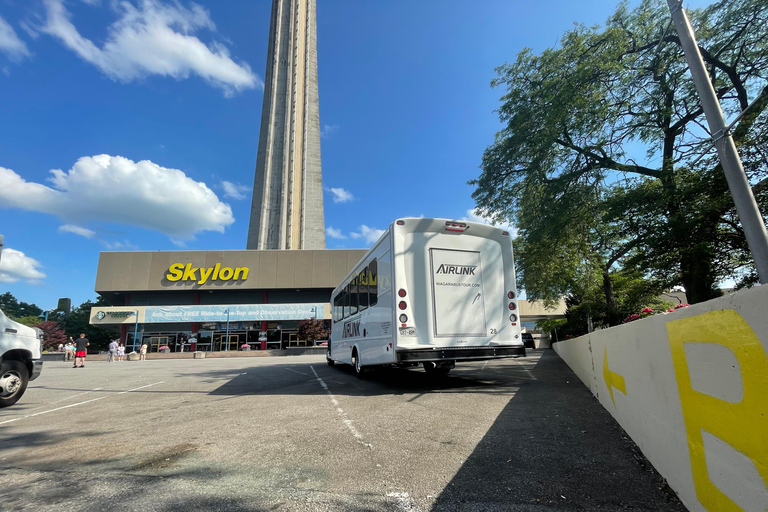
(494, 331)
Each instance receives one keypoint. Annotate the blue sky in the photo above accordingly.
(133, 125)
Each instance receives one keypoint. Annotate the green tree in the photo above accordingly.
(30, 321)
(312, 329)
(53, 335)
(610, 123)
(15, 309)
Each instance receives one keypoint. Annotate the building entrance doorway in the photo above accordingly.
(155, 342)
(220, 341)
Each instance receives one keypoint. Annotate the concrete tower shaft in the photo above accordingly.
(287, 207)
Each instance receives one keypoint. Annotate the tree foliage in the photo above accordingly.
(312, 329)
(605, 163)
(15, 309)
(53, 335)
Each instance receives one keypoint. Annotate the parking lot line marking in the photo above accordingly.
(78, 403)
(296, 371)
(74, 396)
(403, 501)
(358, 436)
(526, 370)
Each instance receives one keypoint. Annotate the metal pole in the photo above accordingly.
(746, 206)
(227, 347)
(135, 330)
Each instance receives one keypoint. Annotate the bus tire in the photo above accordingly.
(357, 364)
(329, 360)
(14, 378)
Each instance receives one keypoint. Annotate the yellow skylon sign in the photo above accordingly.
(182, 272)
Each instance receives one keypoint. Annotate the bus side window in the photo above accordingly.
(373, 284)
(337, 309)
(353, 297)
(345, 301)
(362, 287)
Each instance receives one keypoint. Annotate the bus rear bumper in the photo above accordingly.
(458, 354)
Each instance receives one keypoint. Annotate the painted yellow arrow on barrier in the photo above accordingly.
(612, 379)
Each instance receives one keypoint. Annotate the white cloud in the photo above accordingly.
(124, 245)
(473, 216)
(234, 190)
(340, 195)
(115, 189)
(10, 42)
(334, 233)
(77, 230)
(154, 39)
(16, 266)
(328, 129)
(370, 235)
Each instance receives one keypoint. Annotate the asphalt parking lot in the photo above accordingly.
(291, 433)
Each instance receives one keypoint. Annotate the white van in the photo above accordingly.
(20, 356)
(430, 292)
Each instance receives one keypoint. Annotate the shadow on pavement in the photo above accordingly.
(287, 380)
(555, 447)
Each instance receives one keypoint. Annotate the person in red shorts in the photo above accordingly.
(80, 347)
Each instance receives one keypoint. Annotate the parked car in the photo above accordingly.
(528, 340)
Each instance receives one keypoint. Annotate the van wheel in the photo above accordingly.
(437, 371)
(14, 377)
(360, 371)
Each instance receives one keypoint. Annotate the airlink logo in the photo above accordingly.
(351, 329)
(459, 270)
(181, 272)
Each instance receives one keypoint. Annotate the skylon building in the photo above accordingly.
(191, 300)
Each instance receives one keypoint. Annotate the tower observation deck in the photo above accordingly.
(287, 207)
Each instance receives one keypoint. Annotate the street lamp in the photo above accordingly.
(135, 329)
(227, 347)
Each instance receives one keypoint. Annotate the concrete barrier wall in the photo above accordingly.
(691, 389)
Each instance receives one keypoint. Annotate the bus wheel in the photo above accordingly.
(433, 369)
(358, 365)
(329, 360)
(13, 382)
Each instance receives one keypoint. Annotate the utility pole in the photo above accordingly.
(746, 206)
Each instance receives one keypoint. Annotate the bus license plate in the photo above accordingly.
(407, 331)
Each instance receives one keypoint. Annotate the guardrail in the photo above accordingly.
(691, 389)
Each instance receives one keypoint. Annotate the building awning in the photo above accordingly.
(233, 313)
(213, 314)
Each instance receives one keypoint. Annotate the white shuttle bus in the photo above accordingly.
(430, 292)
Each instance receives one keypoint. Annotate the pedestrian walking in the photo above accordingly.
(143, 355)
(112, 351)
(120, 352)
(81, 346)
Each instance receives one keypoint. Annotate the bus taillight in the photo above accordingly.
(512, 306)
(455, 226)
(510, 295)
(401, 293)
(403, 318)
(513, 318)
(402, 305)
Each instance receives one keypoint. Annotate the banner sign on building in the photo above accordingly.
(234, 313)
